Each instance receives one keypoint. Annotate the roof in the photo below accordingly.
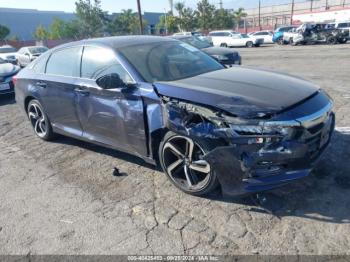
(119, 41)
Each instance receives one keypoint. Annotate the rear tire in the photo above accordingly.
(343, 40)
(39, 120)
(249, 44)
(187, 171)
(331, 40)
(223, 45)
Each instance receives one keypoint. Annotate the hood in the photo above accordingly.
(8, 69)
(5, 55)
(241, 91)
(219, 51)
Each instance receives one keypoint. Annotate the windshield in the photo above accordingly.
(200, 44)
(38, 50)
(168, 61)
(2, 61)
(7, 50)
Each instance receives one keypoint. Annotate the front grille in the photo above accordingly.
(317, 136)
(233, 56)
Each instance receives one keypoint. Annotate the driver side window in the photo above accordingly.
(97, 62)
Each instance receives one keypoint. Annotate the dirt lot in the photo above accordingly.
(62, 198)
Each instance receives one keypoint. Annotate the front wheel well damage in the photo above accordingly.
(247, 154)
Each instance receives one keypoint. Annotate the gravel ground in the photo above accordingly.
(62, 198)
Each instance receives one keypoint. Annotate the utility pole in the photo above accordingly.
(259, 15)
(327, 7)
(140, 16)
(171, 4)
(292, 13)
(221, 4)
(311, 3)
(343, 3)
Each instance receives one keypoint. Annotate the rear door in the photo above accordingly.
(113, 116)
(58, 86)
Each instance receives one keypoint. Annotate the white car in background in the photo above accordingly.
(199, 35)
(267, 35)
(27, 54)
(234, 39)
(8, 53)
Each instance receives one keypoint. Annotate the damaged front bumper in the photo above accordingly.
(247, 160)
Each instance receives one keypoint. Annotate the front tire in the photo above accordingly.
(181, 160)
(223, 45)
(39, 120)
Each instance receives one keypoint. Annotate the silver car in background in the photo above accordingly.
(8, 53)
(27, 54)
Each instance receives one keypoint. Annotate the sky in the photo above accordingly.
(117, 5)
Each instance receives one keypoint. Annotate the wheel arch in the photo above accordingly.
(27, 101)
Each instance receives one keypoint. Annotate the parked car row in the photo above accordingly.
(23, 56)
(312, 33)
(11, 62)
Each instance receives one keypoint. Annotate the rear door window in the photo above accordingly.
(65, 62)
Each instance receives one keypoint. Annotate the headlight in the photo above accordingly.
(220, 57)
(262, 130)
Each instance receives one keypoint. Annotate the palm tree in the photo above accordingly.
(179, 6)
(238, 15)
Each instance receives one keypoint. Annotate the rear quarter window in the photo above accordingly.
(40, 64)
(65, 62)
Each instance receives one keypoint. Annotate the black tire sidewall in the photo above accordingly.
(207, 147)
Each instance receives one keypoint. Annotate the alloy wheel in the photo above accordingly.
(183, 163)
(38, 120)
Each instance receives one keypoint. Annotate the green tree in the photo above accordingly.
(188, 21)
(238, 15)
(60, 29)
(168, 22)
(4, 32)
(127, 22)
(179, 7)
(72, 30)
(90, 17)
(205, 15)
(224, 19)
(57, 29)
(41, 33)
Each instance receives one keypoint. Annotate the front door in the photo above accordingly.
(112, 116)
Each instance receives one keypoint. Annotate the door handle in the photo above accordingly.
(41, 84)
(82, 91)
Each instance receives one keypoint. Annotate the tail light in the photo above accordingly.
(14, 80)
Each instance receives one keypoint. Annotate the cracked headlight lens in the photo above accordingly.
(259, 130)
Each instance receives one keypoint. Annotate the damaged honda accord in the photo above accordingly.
(244, 129)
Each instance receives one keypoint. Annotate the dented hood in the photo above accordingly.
(241, 91)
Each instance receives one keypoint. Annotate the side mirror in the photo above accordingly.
(110, 81)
